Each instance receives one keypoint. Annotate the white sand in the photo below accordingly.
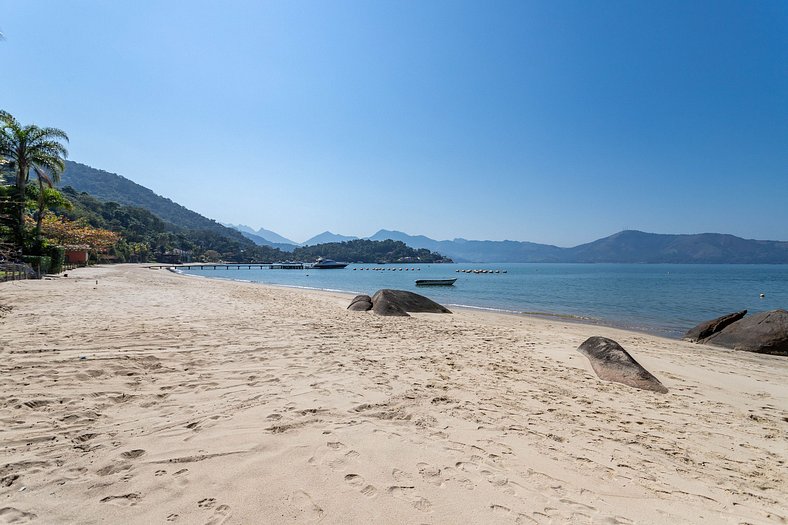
(153, 397)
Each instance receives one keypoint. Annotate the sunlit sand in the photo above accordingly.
(139, 396)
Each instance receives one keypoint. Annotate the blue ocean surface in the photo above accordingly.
(664, 299)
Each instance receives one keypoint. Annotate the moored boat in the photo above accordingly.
(328, 264)
(435, 282)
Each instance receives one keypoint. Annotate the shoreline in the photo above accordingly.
(136, 396)
(571, 318)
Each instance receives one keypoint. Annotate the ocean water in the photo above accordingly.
(665, 299)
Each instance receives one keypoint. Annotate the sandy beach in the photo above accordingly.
(130, 395)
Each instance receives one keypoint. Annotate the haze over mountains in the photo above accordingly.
(629, 246)
(624, 247)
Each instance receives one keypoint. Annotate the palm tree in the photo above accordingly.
(26, 147)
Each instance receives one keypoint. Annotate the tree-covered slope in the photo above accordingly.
(633, 246)
(146, 237)
(362, 250)
(111, 187)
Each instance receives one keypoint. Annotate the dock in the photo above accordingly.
(232, 266)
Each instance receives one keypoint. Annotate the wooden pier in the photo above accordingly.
(231, 266)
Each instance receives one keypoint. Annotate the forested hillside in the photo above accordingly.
(146, 237)
(362, 250)
(114, 188)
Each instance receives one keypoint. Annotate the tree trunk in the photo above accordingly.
(21, 182)
(41, 210)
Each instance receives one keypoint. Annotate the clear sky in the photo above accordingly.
(547, 121)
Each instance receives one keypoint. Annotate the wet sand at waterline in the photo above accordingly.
(152, 398)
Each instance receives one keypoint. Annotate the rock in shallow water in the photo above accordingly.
(763, 333)
(612, 363)
(709, 328)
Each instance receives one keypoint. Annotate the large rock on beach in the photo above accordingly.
(764, 333)
(612, 363)
(709, 328)
(360, 303)
(400, 302)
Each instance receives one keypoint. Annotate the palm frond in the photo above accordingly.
(43, 177)
(7, 118)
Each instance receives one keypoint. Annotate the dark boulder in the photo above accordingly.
(612, 363)
(764, 333)
(709, 328)
(360, 303)
(400, 302)
(388, 308)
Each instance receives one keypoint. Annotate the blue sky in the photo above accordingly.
(555, 121)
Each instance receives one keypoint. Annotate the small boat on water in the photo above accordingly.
(328, 264)
(435, 282)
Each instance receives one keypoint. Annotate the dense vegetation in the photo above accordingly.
(362, 250)
(110, 187)
(25, 151)
(117, 203)
(120, 220)
(146, 237)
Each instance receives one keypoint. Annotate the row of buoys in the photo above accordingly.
(481, 271)
(390, 269)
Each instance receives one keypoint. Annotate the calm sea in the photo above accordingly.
(666, 299)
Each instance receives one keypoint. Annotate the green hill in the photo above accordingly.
(362, 250)
(111, 187)
(107, 200)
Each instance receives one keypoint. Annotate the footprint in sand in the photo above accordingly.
(430, 473)
(125, 500)
(12, 515)
(408, 493)
(307, 509)
(354, 480)
(132, 454)
(113, 469)
(181, 477)
(220, 515)
(206, 503)
(401, 476)
(500, 510)
(334, 455)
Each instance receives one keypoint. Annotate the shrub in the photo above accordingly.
(57, 254)
(39, 263)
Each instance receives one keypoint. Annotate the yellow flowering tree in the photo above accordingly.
(63, 231)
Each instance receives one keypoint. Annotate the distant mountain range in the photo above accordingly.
(263, 237)
(624, 247)
(327, 237)
(267, 235)
(628, 246)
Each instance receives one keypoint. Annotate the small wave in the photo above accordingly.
(571, 317)
(310, 288)
(485, 308)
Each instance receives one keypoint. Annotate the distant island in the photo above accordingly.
(182, 230)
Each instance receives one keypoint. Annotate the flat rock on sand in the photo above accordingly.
(612, 363)
(360, 303)
(400, 302)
